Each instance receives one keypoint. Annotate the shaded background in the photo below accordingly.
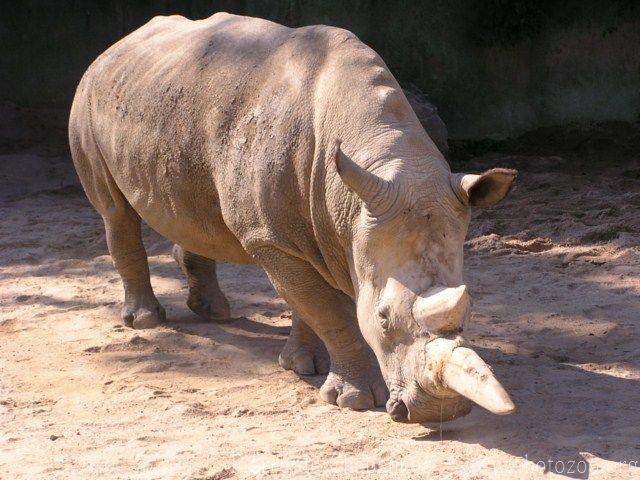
(494, 68)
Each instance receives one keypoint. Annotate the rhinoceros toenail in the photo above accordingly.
(397, 410)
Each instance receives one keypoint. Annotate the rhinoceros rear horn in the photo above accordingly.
(442, 309)
(467, 374)
(374, 191)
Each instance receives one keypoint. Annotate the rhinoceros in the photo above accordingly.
(244, 141)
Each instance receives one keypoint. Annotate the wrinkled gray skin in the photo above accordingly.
(245, 141)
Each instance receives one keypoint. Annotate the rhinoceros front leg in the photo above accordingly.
(205, 297)
(304, 352)
(354, 379)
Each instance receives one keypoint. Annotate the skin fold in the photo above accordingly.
(244, 141)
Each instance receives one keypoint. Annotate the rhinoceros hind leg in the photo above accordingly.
(354, 379)
(304, 352)
(141, 307)
(122, 223)
(205, 297)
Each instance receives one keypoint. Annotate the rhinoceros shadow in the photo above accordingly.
(570, 409)
(566, 415)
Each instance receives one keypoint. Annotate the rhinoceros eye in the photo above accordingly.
(384, 316)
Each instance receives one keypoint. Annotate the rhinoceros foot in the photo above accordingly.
(304, 352)
(205, 297)
(143, 316)
(304, 362)
(210, 306)
(359, 390)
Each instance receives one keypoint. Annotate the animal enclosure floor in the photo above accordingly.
(554, 272)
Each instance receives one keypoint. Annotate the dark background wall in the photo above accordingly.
(493, 67)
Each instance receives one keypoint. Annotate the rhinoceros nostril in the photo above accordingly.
(397, 410)
(383, 315)
(383, 311)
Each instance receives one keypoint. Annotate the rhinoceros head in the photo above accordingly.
(411, 300)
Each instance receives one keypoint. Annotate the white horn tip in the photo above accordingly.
(467, 374)
(505, 407)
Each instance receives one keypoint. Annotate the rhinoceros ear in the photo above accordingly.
(483, 190)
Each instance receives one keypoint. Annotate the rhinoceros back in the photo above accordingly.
(182, 109)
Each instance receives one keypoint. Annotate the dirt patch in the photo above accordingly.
(535, 245)
(554, 272)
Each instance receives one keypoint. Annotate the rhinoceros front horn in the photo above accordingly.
(460, 369)
(466, 373)
(374, 191)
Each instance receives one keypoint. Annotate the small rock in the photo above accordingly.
(224, 474)
(241, 412)
(138, 340)
(53, 438)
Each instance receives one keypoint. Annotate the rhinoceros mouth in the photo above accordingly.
(412, 404)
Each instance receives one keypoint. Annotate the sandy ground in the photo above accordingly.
(555, 276)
